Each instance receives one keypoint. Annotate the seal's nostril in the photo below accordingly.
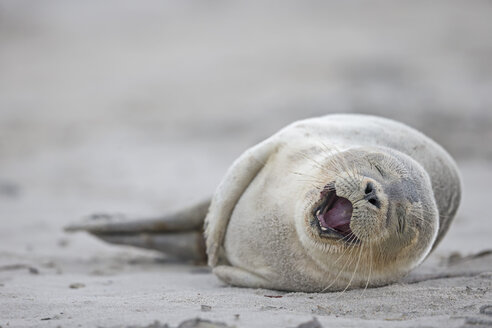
(373, 199)
(371, 196)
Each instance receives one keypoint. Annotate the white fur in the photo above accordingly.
(252, 228)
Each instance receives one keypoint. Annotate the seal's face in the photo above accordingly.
(373, 214)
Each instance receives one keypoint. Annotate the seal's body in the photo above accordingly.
(330, 203)
(258, 225)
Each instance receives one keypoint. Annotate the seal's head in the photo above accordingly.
(371, 220)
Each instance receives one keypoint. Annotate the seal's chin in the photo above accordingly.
(332, 216)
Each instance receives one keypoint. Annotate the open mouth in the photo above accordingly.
(332, 216)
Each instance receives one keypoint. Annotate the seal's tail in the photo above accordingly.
(179, 235)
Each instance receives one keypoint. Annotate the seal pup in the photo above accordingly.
(325, 204)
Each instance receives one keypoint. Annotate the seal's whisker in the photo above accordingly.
(423, 212)
(380, 254)
(319, 180)
(351, 236)
(332, 149)
(338, 275)
(353, 274)
(323, 168)
(344, 165)
(341, 255)
(350, 257)
(334, 159)
(348, 246)
(423, 220)
(370, 269)
(319, 165)
(313, 178)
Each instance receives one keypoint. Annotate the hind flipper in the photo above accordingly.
(179, 245)
(189, 219)
(179, 235)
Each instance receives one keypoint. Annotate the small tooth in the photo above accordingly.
(318, 211)
(324, 229)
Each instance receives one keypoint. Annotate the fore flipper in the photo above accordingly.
(230, 190)
(179, 235)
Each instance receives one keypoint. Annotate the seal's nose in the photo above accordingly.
(371, 195)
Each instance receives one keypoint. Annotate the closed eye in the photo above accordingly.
(379, 170)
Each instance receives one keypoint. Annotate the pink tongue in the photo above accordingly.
(338, 217)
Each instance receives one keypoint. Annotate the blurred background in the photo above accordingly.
(140, 107)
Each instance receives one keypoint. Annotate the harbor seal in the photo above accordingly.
(325, 204)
